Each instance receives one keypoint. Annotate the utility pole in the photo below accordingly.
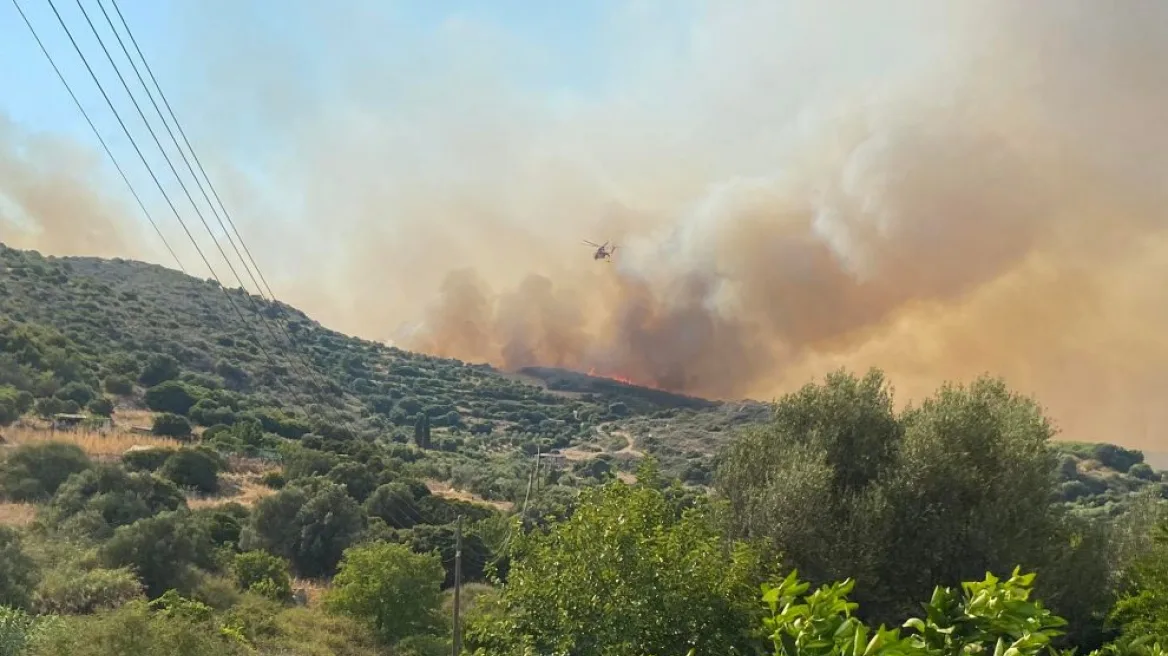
(457, 586)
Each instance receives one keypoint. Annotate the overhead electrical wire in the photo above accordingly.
(194, 155)
(149, 169)
(198, 163)
(170, 164)
(100, 139)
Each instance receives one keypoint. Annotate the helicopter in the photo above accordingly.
(603, 252)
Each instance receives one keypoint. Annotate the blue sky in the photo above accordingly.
(168, 32)
(221, 62)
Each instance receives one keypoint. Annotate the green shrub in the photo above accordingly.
(72, 590)
(78, 393)
(171, 396)
(107, 496)
(159, 369)
(162, 550)
(118, 385)
(1143, 471)
(101, 407)
(264, 574)
(18, 572)
(147, 459)
(13, 404)
(393, 590)
(192, 468)
(171, 425)
(19, 630)
(35, 471)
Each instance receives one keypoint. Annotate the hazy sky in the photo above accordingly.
(190, 44)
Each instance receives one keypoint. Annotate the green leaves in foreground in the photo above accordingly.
(987, 615)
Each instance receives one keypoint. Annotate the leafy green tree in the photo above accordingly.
(843, 487)
(422, 431)
(171, 425)
(33, 472)
(1117, 457)
(101, 406)
(171, 396)
(476, 557)
(118, 385)
(310, 528)
(106, 497)
(224, 523)
(262, 573)
(394, 590)
(162, 550)
(48, 406)
(19, 630)
(329, 523)
(79, 393)
(1143, 608)
(209, 413)
(394, 503)
(18, 572)
(629, 573)
(356, 478)
(159, 369)
(192, 468)
(11, 403)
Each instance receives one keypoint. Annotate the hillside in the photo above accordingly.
(117, 319)
(209, 444)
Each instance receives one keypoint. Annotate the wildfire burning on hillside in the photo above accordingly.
(618, 378)
(940, 189)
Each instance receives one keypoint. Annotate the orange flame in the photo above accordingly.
(617, 377)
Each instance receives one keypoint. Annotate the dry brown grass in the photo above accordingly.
(443, 489)
(242, 488)
(17, 514)
(107, 444)
(314, 589)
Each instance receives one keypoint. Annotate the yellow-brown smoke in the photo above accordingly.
(51, 198)
(998, 210)
(938, 189)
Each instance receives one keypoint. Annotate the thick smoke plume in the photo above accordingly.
(938, 189)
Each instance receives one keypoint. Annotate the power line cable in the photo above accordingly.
(97, 133)
(150, 170)
(194, 155)
(190, 169)
(198, 163)
(173, 139)
(173, 170)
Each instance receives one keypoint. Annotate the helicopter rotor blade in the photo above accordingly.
(591, 244)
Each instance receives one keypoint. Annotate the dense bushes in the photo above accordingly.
(831, 479)
(262, 573)
(309, 528)
(34, 472)
(172, 397)
(171, 425)
(395, 591)
(161, 550)
(668, 581)
(193, 468)
(18, 572)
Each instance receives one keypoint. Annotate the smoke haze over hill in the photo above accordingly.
(937, 189)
